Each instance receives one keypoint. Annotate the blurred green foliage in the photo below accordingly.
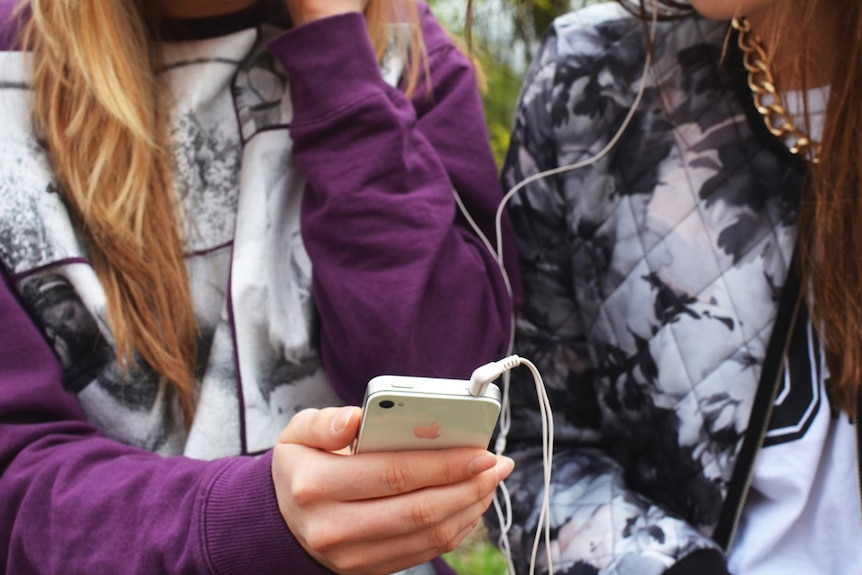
(502, 86)
(503, 35)
(476, 556)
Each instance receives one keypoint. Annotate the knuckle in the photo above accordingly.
(304, 490)
(423, 515)
(319, 537)
(442, 539)
(349, 563)
(398, 479)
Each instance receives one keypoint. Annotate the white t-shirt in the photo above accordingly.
(803, 512)
(802, 515)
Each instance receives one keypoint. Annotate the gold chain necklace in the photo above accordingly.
(767, 100)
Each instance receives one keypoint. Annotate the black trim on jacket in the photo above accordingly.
(702, 562)
(785, 322)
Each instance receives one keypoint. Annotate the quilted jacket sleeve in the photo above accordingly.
(599, 525)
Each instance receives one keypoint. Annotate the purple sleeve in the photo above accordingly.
(401, 284)
(73, 501)
(9, 26)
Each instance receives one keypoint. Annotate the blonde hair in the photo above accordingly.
(96, 104)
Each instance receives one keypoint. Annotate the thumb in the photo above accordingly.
(331, 428)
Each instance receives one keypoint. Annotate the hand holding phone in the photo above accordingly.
(407, 413)
(326, 498)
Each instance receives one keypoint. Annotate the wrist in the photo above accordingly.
(243, 530)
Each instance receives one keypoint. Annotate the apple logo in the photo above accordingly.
(427, 430)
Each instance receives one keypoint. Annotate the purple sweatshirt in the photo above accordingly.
(432, 303)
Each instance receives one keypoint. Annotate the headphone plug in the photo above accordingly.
(485, 374)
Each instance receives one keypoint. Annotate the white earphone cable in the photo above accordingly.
(504, 510)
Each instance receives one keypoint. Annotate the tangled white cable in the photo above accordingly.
(480, 379)
(485, 374)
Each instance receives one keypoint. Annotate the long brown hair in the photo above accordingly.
(830, 240)
(96, 104)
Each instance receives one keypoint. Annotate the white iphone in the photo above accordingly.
(406, 413)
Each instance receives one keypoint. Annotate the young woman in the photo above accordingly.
(219, 217)
(703, 407)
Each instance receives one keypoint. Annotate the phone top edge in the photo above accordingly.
(425, 385)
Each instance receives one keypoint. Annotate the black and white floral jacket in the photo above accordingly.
(652, 282)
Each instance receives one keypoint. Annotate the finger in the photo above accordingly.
(354, 478)
(377, 475)
(331, 428)
(394, 565)
(420, 511)
(385, 562)
(393, 554)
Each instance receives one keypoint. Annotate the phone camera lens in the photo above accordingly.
(386, 404)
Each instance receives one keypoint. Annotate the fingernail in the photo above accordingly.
(482, 463)
(505, 465)
(340, 422)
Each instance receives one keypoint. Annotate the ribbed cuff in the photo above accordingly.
(244, 533)
(701, 562)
